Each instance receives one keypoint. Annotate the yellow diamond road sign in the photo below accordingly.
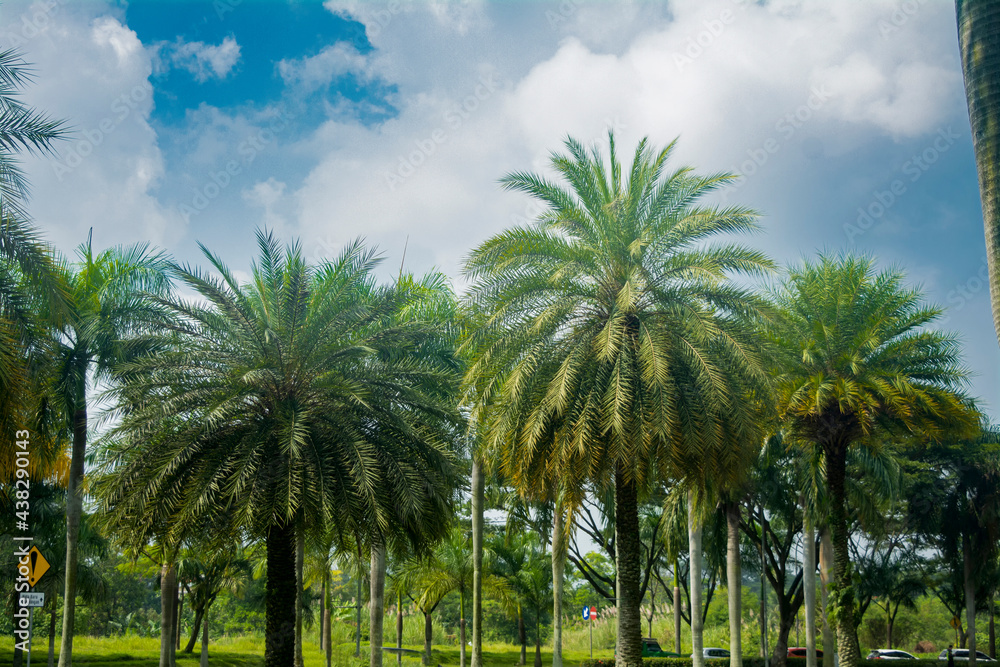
(37, 566)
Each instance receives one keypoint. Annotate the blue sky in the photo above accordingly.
(200, 121)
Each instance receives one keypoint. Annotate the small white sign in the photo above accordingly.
(32, 599)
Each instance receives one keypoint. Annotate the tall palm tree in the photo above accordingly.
(606, 335)
(107, 325)
(856, 359)
(301, 395)
(979, 43)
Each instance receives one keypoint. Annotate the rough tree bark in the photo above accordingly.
(168, 598)
(836, 472)
(280, 597)
(629, 636)
(428, 636)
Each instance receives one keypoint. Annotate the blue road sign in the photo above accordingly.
(586, 612)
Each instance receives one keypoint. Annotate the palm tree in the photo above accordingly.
(302, 395)
(205, 571)
(857, 358)
(450, 568)
(520, 561)
(106, 326)
(28, 276)
(979, 43)
(606, 318)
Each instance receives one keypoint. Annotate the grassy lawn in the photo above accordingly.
(249, 651)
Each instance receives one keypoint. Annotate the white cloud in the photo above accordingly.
(754, 73)
(332, 62)
(106, 174)
(203, 61)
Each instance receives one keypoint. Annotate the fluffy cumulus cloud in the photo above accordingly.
(106, 173)
(312, 73)
(739, 81)
(203, 61)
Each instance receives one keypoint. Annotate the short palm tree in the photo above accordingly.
(607, 340)
(856, 359)
(301, 397)
(521, 562)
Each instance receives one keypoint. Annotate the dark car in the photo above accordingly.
(800, 652)
(651, 649)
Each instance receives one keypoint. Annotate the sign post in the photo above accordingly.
(36, 567)
(31, 600)
(588, 615)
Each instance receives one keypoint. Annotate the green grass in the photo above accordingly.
(248, 651)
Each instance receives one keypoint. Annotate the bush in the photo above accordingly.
(754, 661)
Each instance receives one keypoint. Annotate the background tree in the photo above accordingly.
(108, 325)
(299, 394)
(858, 359)
(593, 311)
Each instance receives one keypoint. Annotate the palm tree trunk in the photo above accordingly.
(836, 472)
(694, 581)
(52, 633)
(399, 629)
(652, 608)
(629, 639)
(538, 639)
(280, 597)
(734, 582)
(300, 554)
(357, 609)
(168, 598)
(809, 592)
(376, 604)
(199, 613)
(825, 579)
(324, 609)
(978, 27)
(204, 640)
(428, 637)
(74, 509)
(179, 613)
(558, 567)
(461, 626)
(970, 596)
(888, 627)
(993, 634)
(328, 624)
(478, 506)
(677, 607)
(521, 636)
